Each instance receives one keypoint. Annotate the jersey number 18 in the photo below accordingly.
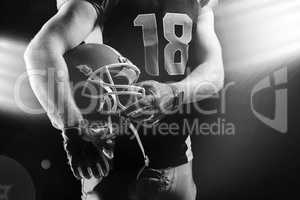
(175, 43)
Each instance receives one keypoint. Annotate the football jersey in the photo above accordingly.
(158, 36)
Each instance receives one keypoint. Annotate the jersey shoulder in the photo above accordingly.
(60, 3)
(210, 3)
(98, 4)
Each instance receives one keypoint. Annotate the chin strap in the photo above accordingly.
(113, 103)
(138, 139)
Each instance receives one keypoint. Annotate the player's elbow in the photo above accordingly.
(210, 55)
(216, 68)
(218, 77)
(32, 52)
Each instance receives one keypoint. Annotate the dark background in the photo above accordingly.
(258, 37)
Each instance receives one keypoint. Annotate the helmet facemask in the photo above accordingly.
(116, 86)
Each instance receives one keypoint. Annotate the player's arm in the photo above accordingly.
(48, 73)
(203, 82)
(208, 78)
(49, 78)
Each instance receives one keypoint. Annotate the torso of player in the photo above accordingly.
(156, 35)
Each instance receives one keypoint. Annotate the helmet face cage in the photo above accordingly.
(107, 78)
(107, 85)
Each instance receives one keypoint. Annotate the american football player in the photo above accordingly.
(174, 45)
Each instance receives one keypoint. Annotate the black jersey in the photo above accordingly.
(158, 36)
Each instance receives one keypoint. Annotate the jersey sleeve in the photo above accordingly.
(101, 6)
(211, 3)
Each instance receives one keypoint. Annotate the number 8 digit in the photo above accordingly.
(176, 43)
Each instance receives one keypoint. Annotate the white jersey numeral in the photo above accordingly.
(149, 27)
(177, 44)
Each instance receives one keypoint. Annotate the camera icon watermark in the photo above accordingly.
(280, 120)
(15, 181)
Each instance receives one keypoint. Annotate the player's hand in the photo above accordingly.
(159, 101)
(87, 156)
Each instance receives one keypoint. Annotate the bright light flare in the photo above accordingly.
(258, 35)
(12, 67)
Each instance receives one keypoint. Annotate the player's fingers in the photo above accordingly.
(94, 171)
(165, 106)
(76, 173)
(139, 109)
(145, 84)
(132, 108)
(90, 171)
(144, 102)
(85, 172)
(106, 167)
(154, 120)
(99, 168)
(144, 116)
(80, 172)
(148, 100)
(146, 110)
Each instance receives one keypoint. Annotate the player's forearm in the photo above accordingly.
(48, 77)
(208, 78)
(205, 81)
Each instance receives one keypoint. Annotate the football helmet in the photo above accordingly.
(101, 74)
(103, 84)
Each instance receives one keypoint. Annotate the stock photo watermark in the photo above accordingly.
(93, 100)
(15, 181)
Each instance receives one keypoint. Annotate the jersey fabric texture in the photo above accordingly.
(158, 36)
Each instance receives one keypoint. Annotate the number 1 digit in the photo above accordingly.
(149, 26)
